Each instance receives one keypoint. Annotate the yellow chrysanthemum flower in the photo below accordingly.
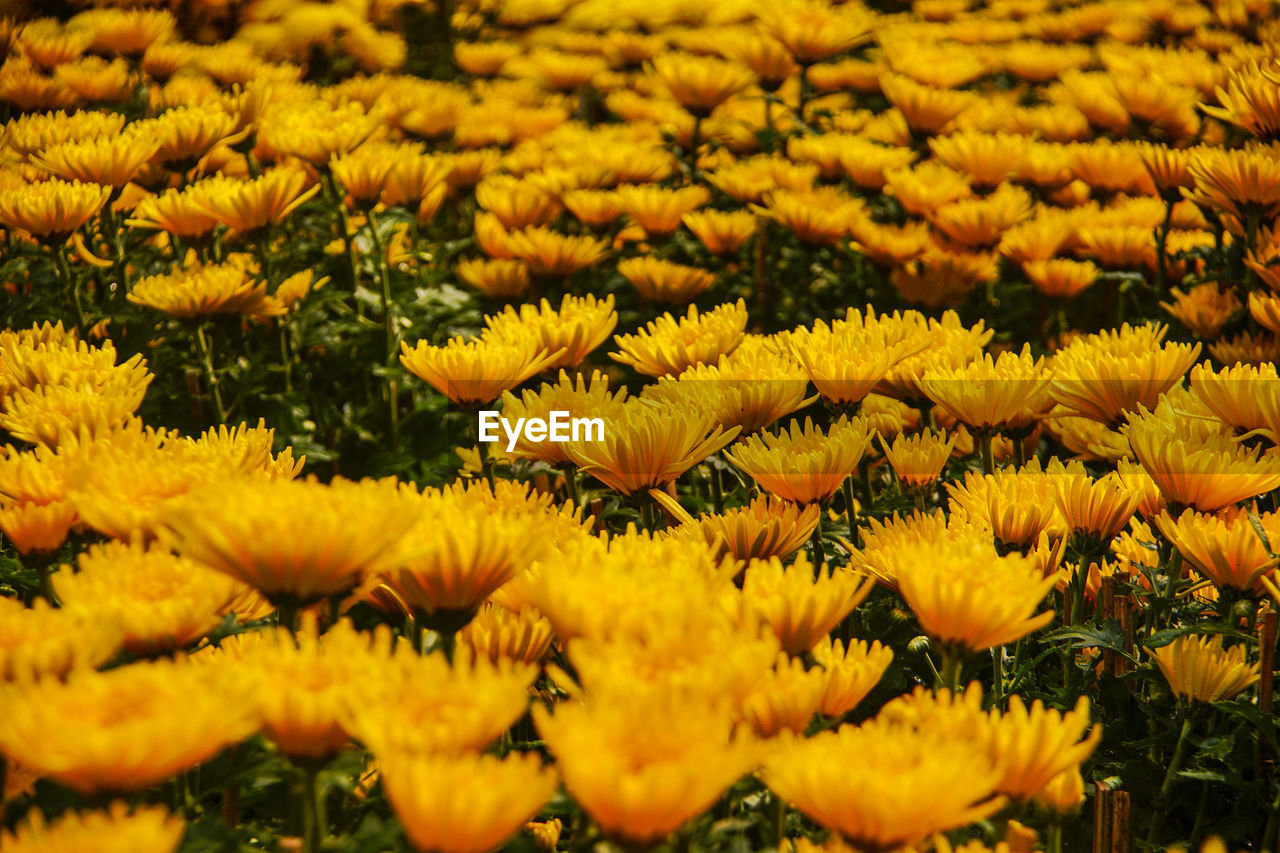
(53, 209)
(1225, 547)
(116, 731)
(763, 529)
(1199, 669)
(198, 290)
(576, 328)
(115, 830)
(801, 604)
(803, 463)
(668, 346)
(42, 641)
(1008, 392)
(475, 372)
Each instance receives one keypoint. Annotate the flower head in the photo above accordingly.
(803, 463)
(1008, 392)
(662, 281)
(700, 83)
(800, 604)
(668, 346)
(1200, 669)
(52, 209)
(115, 830)
(473, 372)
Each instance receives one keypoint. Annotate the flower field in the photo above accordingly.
(620, 426)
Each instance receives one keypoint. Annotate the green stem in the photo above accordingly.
(717, 489)
(988, 458)
(1162, 241)
(313, 808)
(571, 485)
(388, 328)
(344, 223)
(952, 665)
(287, 613)
(851, 512)
(1170, 776)
(206, 358)
(815, 542)
(71, 284)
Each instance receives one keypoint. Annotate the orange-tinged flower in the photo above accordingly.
(515, 202)
(52, 209)
(176, 212)
(972, 598)
(96, 80)
(1199, 669)
(751, 179)
(801, 603)
(927, 186)
(109, 161)
(37, 528)
(982, 222)
(785, 698)
(331, 539)
(198, 290)
(40, 641)
(851, 672)
(1249, 101)
(917, 460)
(643, 789)
(313, 130)
(472, 372)
(648, 445)
(1107, 375)
(819, 216)
(659, 210)
(246, 206)
(464, 804)
(1225, 548)
(1196, 461)
(573, 330)
(117, 829)
(662, 281)
(126, 31)
(550, 253)
(763, 529)
(1240, 182)
(1204, 309)
(926, 109)
(498, 278)
(162, 602)
(802, 463)
(92, 405)
(1061, 278)
(1100, 508)
(1008, 392)
(667, 346)
(769, 59)
(814, 31)
(1017, 504)
(496, 633)
(917, 781)
(116, 732)
(699, 83)
(720, 232)
(987, 158)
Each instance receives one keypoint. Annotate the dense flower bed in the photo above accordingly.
(931, 499)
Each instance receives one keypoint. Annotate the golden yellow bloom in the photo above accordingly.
(249, 205)
(575, 329)
(850, 673)
(769, 59)
(497, 279)
(578, 396)
(187, 133)
(40, 641)
(643, 789)
(982, 222)
(1008, 392)
(313, 130)
(198, 290)
(817, 216)
(987, 158)
(550, 253)
(121, 481)
(49, 44)
(594, 208)
(161, 601)
(972, 598)
(1016, 503)
(648, 444)
(721, 233)
(515, 202)
(109, 161)
(801, 604)
(1243, 396)
(126, 31)
(803, 464)
(324, 546)
(750, 387)
(472, 372)
(93, 405)
(667, 347)
(926, 187)
(916, 781)
(458, 552)
(37, 528)
(116, 830)
(1225, 548)
(1240, 182)
(814, 31)
(464, 804)
(364, 173)
(917, 460)
(1032, 746)
(1195, 461)
(848, 358)
(662, 281)
(763, 529)
(116, 731)
(52, 209)
(926, 109)
(699, 83)
(1061, 278)
(1249, 101)
(659, 210)
(177, 212)
(750, 180)
(411, 703)
(785, 698)
(1100, 508)
(497, 633)
(1201, 670)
